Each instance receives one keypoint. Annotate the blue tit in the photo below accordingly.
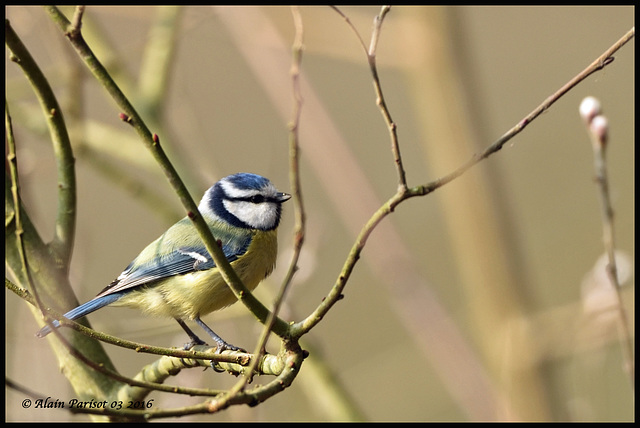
(175, 276)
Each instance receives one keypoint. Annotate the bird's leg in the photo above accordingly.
(222, 345)
(195, 340)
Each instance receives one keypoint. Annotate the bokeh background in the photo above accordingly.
(472, 303)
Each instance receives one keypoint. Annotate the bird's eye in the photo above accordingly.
(257, 199)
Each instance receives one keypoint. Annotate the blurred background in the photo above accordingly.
(477, 302)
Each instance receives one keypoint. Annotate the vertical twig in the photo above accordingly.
(380, 100)
(296, 190)
(597, 126)
(15, 192)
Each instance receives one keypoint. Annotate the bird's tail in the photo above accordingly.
(82, 310)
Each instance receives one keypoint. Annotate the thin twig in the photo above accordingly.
(380, 100)
(296, 189)
(15, 193)
(597, 126)
(600, 63)
(350, 24)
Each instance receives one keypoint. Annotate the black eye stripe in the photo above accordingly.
(255, 199)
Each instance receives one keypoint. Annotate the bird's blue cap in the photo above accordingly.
(247, 180)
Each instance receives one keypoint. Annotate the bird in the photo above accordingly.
(175, 276)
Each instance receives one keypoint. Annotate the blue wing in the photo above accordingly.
(179, 261)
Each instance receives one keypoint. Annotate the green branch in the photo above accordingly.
(63, 240)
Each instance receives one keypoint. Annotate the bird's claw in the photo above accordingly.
(194, 342)
(223, 346)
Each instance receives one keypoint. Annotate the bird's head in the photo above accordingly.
(244, 200)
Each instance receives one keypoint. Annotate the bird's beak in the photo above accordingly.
(282, 197)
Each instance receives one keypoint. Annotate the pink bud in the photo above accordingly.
(600, 128)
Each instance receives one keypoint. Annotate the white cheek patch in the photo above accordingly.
(259, 216)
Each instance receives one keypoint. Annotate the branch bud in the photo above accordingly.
(589, 108)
